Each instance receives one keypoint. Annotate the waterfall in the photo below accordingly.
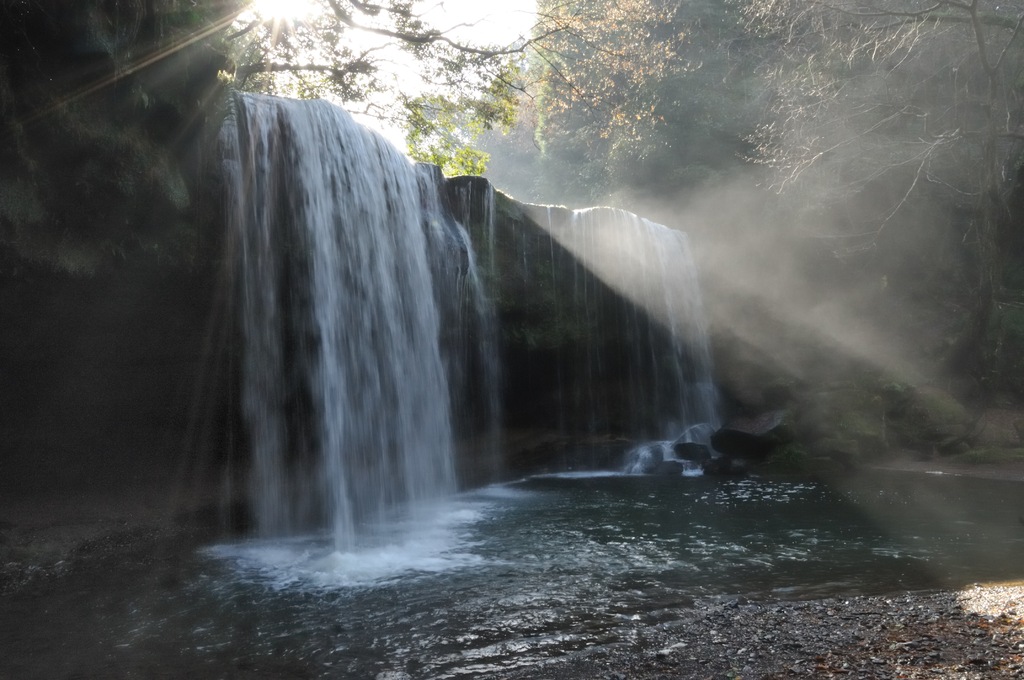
(369, 344)
(652, 266)
(670, 375)
(344, 256)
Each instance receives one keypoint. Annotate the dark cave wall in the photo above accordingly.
(119, 378)
(114, 350)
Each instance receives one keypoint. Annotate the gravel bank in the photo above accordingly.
(974, 633)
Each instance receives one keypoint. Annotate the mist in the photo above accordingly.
(280, 400)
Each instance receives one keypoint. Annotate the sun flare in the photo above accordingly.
(283, 9)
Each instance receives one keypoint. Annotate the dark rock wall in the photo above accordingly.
(121, 378)
(576, 356)
(114, 332)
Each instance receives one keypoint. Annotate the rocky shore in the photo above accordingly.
(977, 632)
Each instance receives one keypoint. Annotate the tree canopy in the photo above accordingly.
(645, 96)
(389, 60)
(900, 113)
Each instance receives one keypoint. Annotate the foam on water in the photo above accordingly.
(427, 540)
(503, 492)
(580, 474)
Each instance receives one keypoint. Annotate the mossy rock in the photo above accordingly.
(942, 407)
(844, 451)
(507, 207)
(785, 433)
(896, 397)
(846, 413)
(788, 458)
(867, 429)
(933, 418)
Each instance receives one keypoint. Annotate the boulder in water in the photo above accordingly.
(749, 438)
(692, 451)
(739, 444)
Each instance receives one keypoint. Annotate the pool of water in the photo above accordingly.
(507, 575)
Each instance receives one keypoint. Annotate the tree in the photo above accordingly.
(638, 97)
(105, 106)
(385, 60)
(443, 131)
(887, 108)
(597, 87)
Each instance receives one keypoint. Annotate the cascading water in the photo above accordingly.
(602, 323)
(345, 390)
(369, 344)
(470, 334)
(652, 267)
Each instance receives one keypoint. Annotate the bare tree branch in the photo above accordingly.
(425, 38)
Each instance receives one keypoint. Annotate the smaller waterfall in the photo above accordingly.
(686, 455)
(659, 458)
(652, 267)
(351, 285)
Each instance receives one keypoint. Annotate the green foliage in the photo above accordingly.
(1013, 274)
(1011, 320)
(1004, 350)
(443, 131)
(638, 98)
(789, 458)
(383, 59)
(94, 172)
(20, 204)
(867, 428)
(942, 410)
(925, 419)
